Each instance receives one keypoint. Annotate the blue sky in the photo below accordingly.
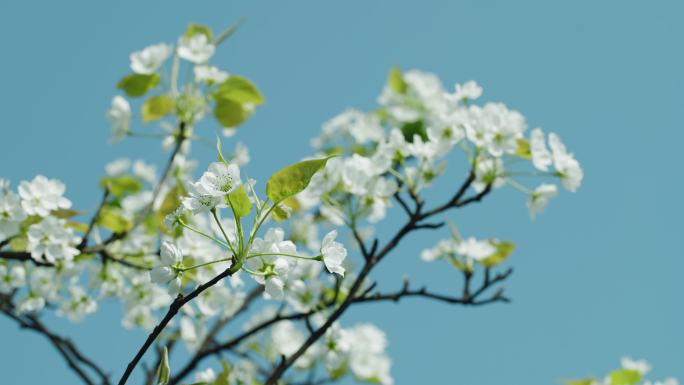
(598, 275)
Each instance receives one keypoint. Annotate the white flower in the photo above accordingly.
(367, 359)
(240, 154)
(540, 198)
(475, 249)
(489, 171)
(333, 253)
(169, 269)
(148, 60)
(357, 173)
(197, 48)
(210, 74)
(641, 366)
(144, 171)
(566, 165)
(11, 214)
(443, 247)
(200, 200)
(469, 90)
(118, 166)
(274, 287)
(541, 157)
(78, 305)
(207, 375)
(52, 239)
(220, 179)
(42, 195)
(11, 277)
(119, 115)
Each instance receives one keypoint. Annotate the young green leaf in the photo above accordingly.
(293, 179)
(156, 107)
(414, 128)
(121, 185)
(625, 377)
(163, 371)
(523, 149)
(194, 29)
(136, 85)
(230, 113)
(582, 381)
(111, 218)
(503, 250)
(239, 201)
(219, 150)
(239, 89)
(396, 81)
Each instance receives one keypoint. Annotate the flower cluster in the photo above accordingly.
(631, 372)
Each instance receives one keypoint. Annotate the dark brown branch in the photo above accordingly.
(176, 305)
(23, 256)
(93, 220)
(66, 348)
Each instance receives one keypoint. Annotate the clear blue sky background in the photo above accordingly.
(597, 276)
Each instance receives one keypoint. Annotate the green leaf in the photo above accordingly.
(19, 243)
(64, 213)
(78, 226)
(156, 107)
(581, 381)
(503, 250)
(194, 29)
(121, 185)
(625, 377)
(163, 370)
(222, 378)
(523, 149)
(136, 85)
(396, 82)
(171, 201)
(230, 113)
(239, 89)
(281, 213)
(112, 219)
(293, 179)
(239, 201)
(414, 128)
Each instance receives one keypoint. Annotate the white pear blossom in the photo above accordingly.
(475, 249)
(145, 171)
(541, 157)
(540, 198)
(52, 240)
(11, 277)
(149, 60)
(11, 214)
(196, 48)
(220, 179)
(641, 366)
(119, 115)
(207, 375)
(210, 74)
(333, 253)
(42, 195)
(469, 90)
(78, 305)
(118, 166)
(167, 272)
(566, 165)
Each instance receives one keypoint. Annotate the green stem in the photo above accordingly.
(207, 263)
(200, 232)
(316, 258)
(254, 272)
(218, 222)
(518, 186)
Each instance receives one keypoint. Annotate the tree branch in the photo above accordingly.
(176, 305)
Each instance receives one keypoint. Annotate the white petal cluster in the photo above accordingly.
(42, 195)
(407, 141)
(149, 60)
(196, 48)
